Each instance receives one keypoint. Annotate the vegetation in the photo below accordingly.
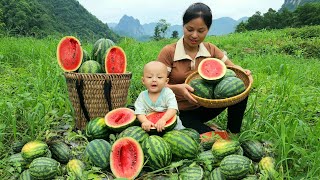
(283, 105)
(305, 15)
(41, 18)
(160, 30)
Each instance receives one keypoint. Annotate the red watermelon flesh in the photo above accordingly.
(116, 60)
(212, 69)
(69, 53)
(126, 158)
(154, 117)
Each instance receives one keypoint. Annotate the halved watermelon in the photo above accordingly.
(120, 118)
(116, 60)
(69, 53)
(154, 118)
(212, 69)
(126, 158)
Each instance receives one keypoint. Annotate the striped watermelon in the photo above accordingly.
(157, 152)
(25, 175)
(85, 56)
(216, 174)
(116, 60)
(230, 73)
(202, 88)
(207, 157)
(228, 87)
(222, 148)
(17, 145)
(34, 149)
(235, 166)
(192, 133)
(90, 66)
(253, 149)
(212, 69)
(99, 51)
(97, 129)
(16, 160)
(136, 132)
(98, 152)
(75, 168)
(191, 172)
(126, 158)
(60, 151)
(155, 116)
(44, 168)
(119, 119)
(182, 145)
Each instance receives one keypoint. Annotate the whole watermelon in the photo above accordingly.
(99, 51)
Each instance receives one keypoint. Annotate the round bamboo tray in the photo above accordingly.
(220, 103)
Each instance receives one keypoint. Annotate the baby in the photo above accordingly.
(157, 97)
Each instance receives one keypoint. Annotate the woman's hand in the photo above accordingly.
(248, 72)
(185, 89)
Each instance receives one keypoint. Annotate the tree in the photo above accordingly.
(160, 30)
(174, 34)
(241, 27)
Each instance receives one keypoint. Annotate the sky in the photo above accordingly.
(147, 11)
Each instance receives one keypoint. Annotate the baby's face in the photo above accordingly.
(155, 77)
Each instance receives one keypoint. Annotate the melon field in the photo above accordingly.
(283, 106)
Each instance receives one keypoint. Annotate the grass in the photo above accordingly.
(283, 105)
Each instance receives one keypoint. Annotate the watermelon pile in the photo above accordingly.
(216, 81)
(115, 146)
(106, 57)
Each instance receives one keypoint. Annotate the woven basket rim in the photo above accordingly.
(218, 103)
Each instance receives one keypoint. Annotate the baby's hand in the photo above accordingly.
(147, 125)
(160, 125)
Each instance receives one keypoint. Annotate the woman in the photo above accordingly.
(183, 57)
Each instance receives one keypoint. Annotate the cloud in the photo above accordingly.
(172, 10)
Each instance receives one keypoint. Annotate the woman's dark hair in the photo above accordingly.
(197, 10)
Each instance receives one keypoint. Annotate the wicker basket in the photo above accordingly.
(93, 95)
(220, 103)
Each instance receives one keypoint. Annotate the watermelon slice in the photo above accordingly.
(116, 60)
(119, 119)
(212, 69)
(154, 118)
(69, 54)
(126, 158)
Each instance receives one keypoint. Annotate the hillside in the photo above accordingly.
(41, 18)
(293, 4)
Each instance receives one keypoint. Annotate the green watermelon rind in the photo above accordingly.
(253, 149)
(157, 152)
(60, 151)
(44, 168)
(202, 88)
(182, 145)
(97, 129)
(229, 87)
(98, 153)
(34, 149)
(235, 166)
(75, 167)
(99, 51)
(90, 66)
(136, 132)
(168, 126)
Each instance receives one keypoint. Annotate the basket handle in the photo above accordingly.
(79, 86)
(107, 93)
